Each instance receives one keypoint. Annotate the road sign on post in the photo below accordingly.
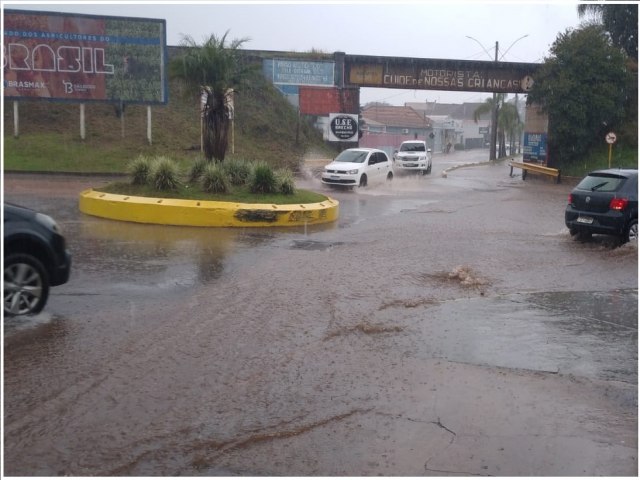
(611, 139)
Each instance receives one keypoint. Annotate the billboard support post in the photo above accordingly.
(16, 130)
(149, 123)
(82, 122)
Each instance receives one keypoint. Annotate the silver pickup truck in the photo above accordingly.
(412, 156)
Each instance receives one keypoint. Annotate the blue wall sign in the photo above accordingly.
(535, 147)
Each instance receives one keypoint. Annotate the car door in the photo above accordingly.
(372, 168)
(378, 167)
(384, 166)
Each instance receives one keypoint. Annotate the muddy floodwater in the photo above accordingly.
(444, 325)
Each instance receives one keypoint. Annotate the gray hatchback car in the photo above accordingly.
(605, 202)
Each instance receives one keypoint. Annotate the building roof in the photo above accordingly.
(393, 116)
(458, 111)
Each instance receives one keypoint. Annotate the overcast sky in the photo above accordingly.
(405, 29)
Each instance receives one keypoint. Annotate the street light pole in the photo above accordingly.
(494, 120)
(494, 112)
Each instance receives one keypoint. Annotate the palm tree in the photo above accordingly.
(212, 72)
(508, 124)
(490, 105)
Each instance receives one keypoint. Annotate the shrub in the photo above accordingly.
(214, 179)
(286, 182)
(164, 174)
(139, 169)
(197, 169)
(263, 180)
(238, 171)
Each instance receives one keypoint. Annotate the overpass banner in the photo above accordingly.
(84, 58)
(438, 74)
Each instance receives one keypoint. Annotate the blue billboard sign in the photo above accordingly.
(535, 147)
(295, 72)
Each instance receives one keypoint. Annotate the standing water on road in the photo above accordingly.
(442, 326)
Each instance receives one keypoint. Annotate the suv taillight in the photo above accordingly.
(618, 204)
(570, 199)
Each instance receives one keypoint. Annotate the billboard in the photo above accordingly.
(323, 101)
(535, 147)
(439, 74)
(296, 72)
(84, 58)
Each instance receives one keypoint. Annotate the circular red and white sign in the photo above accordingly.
(611, 138)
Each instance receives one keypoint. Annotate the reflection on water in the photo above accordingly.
(558, 332)
(143, 257)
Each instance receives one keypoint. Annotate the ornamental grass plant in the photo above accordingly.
(263, 179)
(235, 180)
(139, 169)
(215, 179)
(164, 174)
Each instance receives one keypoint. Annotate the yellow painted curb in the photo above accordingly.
(200, 213)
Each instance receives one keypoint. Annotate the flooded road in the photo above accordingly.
(442, 326)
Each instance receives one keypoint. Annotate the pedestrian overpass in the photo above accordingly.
(329, 84)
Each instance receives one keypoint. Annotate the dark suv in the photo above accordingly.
(605, 202)
(35, 258)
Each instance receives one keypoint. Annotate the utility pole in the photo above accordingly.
(494, 120)
(494, 113)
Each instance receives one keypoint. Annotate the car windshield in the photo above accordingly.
(412, 147)
(601, 183)
(351, 156)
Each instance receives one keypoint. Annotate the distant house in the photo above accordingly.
(455, 122)
(387, 126)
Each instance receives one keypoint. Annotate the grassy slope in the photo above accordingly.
(265, 129)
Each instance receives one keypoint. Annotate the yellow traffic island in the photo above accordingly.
(200, 213)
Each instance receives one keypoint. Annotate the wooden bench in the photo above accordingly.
(534, 167)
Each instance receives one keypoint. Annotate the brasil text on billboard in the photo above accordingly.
(73, 57)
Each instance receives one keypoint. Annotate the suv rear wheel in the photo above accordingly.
(26, 285)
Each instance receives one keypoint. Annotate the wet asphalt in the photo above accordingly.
(443, 326)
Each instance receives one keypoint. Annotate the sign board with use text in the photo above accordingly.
(343, 127)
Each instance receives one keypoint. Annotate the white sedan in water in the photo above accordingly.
(358, 167)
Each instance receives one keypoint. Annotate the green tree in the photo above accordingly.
(213, 71)
(582, 87)
(620, 20)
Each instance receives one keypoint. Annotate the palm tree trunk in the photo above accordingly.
(216, 127)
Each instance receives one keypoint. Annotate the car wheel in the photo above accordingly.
(363, 181)
(429, 168)
(389, 176)
(26, 285)
(632, 232)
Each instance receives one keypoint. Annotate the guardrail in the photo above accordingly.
(534, 167)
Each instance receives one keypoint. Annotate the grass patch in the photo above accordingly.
(240, 194)
(267, 129)
(621, 157)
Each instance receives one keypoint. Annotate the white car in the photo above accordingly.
(358, 167)
(413, 156)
